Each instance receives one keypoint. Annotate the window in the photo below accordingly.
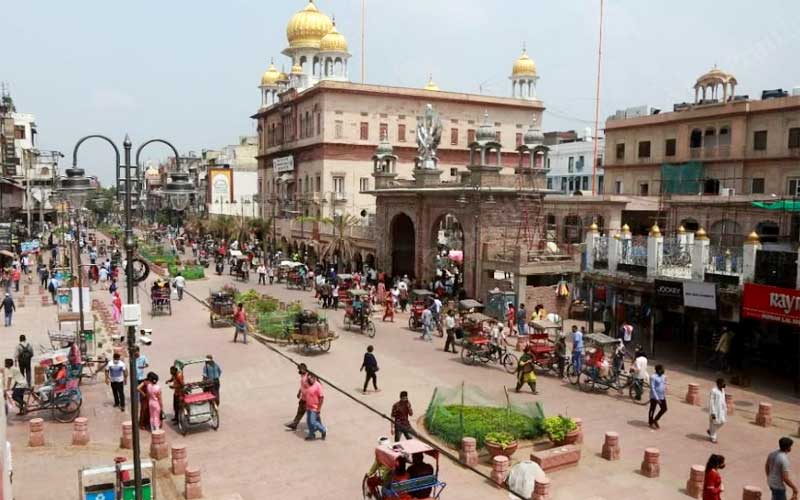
(363, 184)
(696, 138)
(571, 185)
(794, 187)
(617, 187)
(644, 149)
(519, 139)
(600, 184)
(401, 132)
(19, 132)
(621, 151)
(579, 166)
(710, 138)
(571, 164)
(453, 136)
(760, 140)
(669, 147)
(644, 189)
(384, 131)
(498, 137)
(319, 123)
(758, 186)
(599, 161)
(724, 138)
(564, 184)
(338, 185)
(547, 164)
(585, 184)
(319, 183)
(470, 136)
(364, 131)
(549, 183)
(794, 138)
(339, 129)
(453, 172)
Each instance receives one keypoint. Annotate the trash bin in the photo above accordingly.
(99, 492)
(128, 490)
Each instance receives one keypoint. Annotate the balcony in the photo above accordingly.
(694, 153)
(339, 196)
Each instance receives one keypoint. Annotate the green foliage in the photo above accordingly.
(558, 427)
(452, 422)
(501, 439)
(189, 272)
(255, 303)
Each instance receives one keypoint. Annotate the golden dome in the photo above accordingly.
(626, 228)
(333, 41)
(681, 230)
(270, 77)
(307, 27)
(655, 230)
(431, 85)
(753, 238)
(297, 69)
(701, 234)
(593, 227)
(283, 77)
(524, 66)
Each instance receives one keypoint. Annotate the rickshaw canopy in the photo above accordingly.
(357, 293)
(421, 293)
(601, 340)
(181, 363)
(470, 304)
(544, 325)
(477, 317)
(389, 454)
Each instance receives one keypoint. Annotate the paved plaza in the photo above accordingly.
(255, 457)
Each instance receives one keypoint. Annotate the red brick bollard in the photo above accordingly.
(80, 432)
(650, 464)
(693, 395)
(579, 423)
(694, 486)
(764, 416)
(36, 432)
(178, 459)
(126, 441)
(541, 489)
(611, 446)
(751, 493)
(192, 481)
(158, 445)
(468, 455)
(730, 404)
(500, 466)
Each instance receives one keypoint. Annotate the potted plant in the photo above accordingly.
(561, 430)
(500, 443)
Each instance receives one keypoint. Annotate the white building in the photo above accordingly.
(238, 198)
(569, 165)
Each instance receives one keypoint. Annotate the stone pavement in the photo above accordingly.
(252, 455)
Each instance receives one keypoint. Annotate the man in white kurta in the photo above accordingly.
(718, 410)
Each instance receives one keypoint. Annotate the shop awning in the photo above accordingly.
(785, 205)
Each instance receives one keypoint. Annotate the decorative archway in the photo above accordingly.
(403, 245)
(447, 249)
(358, 262)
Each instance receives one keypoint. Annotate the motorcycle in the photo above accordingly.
(220, 267)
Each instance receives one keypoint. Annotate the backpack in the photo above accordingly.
(51, 287)
(25, 355)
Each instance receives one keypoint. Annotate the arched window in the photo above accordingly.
(710, 138)
(768, 231)
(724, 138)
(690, 225)
(696, 138)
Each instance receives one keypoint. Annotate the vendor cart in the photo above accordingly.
(310, 331)
(222, 308)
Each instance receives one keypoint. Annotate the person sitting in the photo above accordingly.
(420, 469)
(358, 309)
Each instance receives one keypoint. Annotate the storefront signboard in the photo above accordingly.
(700, 295)
(283, 164)
(669, 292)
(771, 303)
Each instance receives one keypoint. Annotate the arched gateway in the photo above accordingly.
(403, 241)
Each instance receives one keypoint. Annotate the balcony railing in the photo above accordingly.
(340, 196)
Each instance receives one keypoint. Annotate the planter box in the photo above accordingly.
(495, 449)
(557, 458)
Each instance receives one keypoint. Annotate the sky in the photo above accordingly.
(187, 70)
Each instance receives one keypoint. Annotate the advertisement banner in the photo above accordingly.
(669, 292)
(30, 246)
(771, 303)
(220, 186)
(700, 295)
(283, 164)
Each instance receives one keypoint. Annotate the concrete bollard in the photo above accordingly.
(651, 466)
(579, 422)
(80, 432)
(541, 489)
(179, 460)
(194, 489)
(158, 445)
(751, 493)
(468, 455)
(764, 416)
(611, 446)
(500, 466)
(126, 441)
(693, 395)
(694, 486)
(36, 432)
(729, 404)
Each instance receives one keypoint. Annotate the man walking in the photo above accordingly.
(302, 370)
(8, 308)
(717, 410)
(370, 365)
(211, 373)
(314, 397)
(262, 274)
(658, 397)
(116, 377)
(777, 470)
(24, 355)
(401, 411)
(522, 318)
(180, 285)
(577, 349)
(427, 324)
(450, 331)
(240, 323)
(626, 332)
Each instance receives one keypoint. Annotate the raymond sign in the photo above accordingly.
(771, 303)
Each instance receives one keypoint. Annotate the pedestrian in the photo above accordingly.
(15, 277)
(116, 307)
(176, 384)
(450, 331)
(577, 349)
(712, 481)
(526, 373)
(511, 319)
(403, 293)
(721, 350)
(388, 308)
(561, 353)
(427, 324)
(314, 397)
(640, 373)
(180, 285)
(436, 309)
(103, 273)
(262, 274)
(211, 374)
(334, 297)
(24, 355)
(16, 383)
(271, 274)
(141, 363)
(626, 332)
(240, 323)
(52, 287)
(401, 411)
(152, 392)
(777, 469)
(302, 370)
(116, 377)
(370, 365)
(717, 410)
(522, 320)
(658, 397)
(8, 308)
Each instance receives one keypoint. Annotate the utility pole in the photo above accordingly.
(27, 153)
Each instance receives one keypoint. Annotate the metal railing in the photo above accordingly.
(634, 251)
(725, 260)
(601, 251)
(676, 258)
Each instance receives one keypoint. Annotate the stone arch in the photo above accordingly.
(710, 137)
(446, 235)
(725, 233)
(403, 245)
(358, 262)
(768, 231)
(370, 260)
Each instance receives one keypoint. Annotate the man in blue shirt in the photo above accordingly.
(522, 320)
(658, 397)
(141, 363)
(211, 373)
(577, 349)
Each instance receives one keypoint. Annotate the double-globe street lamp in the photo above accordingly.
(76, 183)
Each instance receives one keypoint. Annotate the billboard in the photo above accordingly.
(771, 303)
(220, 185)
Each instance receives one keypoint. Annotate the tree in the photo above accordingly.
(101, 202)
(262, 228)
(342, 242)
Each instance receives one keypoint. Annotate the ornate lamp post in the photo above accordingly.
(179, 191)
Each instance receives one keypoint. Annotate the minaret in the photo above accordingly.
(524, 77)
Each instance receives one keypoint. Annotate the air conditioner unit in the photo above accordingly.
(727, 191)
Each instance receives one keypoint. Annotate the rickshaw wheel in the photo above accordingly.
(572, 377)
(325, 345)
(585, 382)
(411, 322)
(466, 355)
(347, 321)
(183, 425)
(214, 417)
(370, 329)
(67, 410)
(509, 362)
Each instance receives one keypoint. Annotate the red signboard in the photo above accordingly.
(771, 303)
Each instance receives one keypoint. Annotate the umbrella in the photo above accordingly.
(523, 476)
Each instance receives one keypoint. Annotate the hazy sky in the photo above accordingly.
(187, 70)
